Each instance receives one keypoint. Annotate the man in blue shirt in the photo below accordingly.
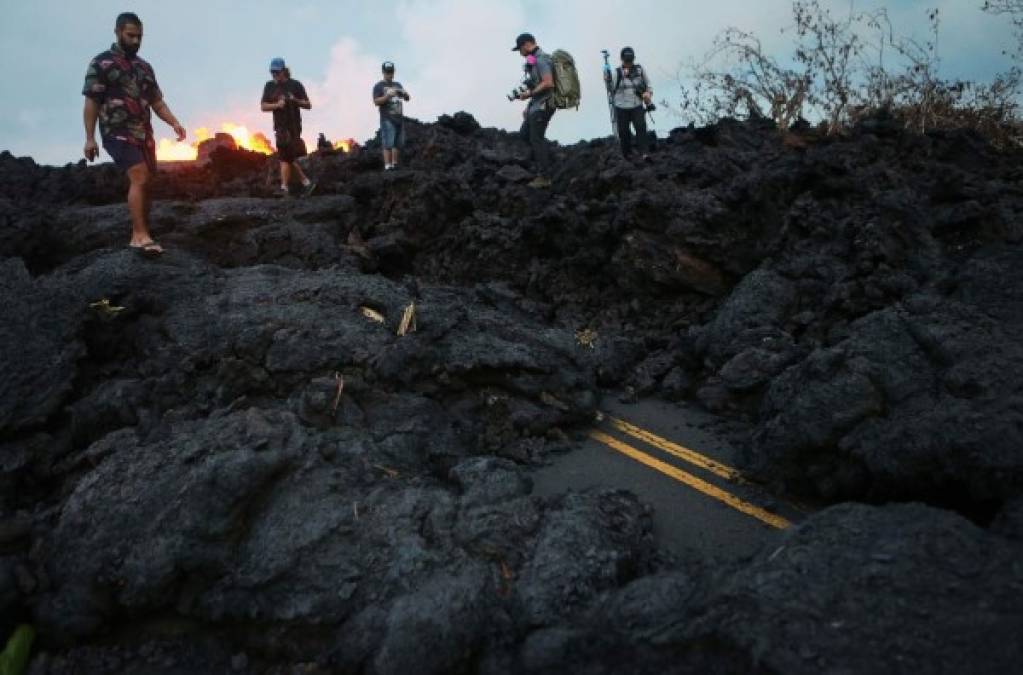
(538, 114)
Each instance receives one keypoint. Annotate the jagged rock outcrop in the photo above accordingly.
(233, 441)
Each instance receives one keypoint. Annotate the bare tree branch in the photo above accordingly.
(843, 69)
(1014, 9)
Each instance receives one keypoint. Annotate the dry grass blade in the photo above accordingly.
(340, 379)
(549, 399)
(392, 473)
(103, 306)
(586, 338)
(372, 314)
(408, 320)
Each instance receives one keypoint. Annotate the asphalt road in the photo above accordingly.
(670, 456)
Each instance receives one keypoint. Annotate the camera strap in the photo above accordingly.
(620, 75)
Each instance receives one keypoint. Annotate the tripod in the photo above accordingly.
(610, 92)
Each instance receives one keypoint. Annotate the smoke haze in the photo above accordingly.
(211, 57)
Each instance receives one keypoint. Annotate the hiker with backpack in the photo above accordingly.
(538, 90)
(631, 95)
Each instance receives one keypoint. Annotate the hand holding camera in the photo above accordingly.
(519, 93)
(284, 100)
(646, 95)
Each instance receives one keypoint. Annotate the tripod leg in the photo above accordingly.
(614, 119)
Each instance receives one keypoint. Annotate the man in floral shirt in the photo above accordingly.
(120, 88)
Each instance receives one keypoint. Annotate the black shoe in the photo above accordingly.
(309, 189)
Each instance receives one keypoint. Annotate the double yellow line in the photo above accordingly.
(691, 457)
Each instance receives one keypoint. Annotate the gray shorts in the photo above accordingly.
(392, 134)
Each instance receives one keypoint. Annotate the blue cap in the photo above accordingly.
(277, 63)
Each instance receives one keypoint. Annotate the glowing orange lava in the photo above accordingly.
(168, 150)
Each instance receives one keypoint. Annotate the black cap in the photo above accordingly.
(387, 66)
(628, 53)
(523, 39)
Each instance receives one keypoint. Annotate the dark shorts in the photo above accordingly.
(289, 146)
(126, 155)
(392, 134)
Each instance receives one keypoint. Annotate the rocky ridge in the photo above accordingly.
(220, 461)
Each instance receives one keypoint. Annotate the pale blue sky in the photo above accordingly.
(211, 56)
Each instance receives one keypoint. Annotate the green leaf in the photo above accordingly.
(15, 655)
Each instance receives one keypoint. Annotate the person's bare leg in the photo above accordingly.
(394, 157)
(147, 199)
(297, 168)
(138, 204)
(285, 174)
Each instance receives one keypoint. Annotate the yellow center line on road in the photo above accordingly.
(683, 453)
(692, 481)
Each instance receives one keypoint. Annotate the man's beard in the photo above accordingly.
(130, 50)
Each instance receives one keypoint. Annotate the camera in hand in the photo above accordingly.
(518, 91)
(641, 89)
